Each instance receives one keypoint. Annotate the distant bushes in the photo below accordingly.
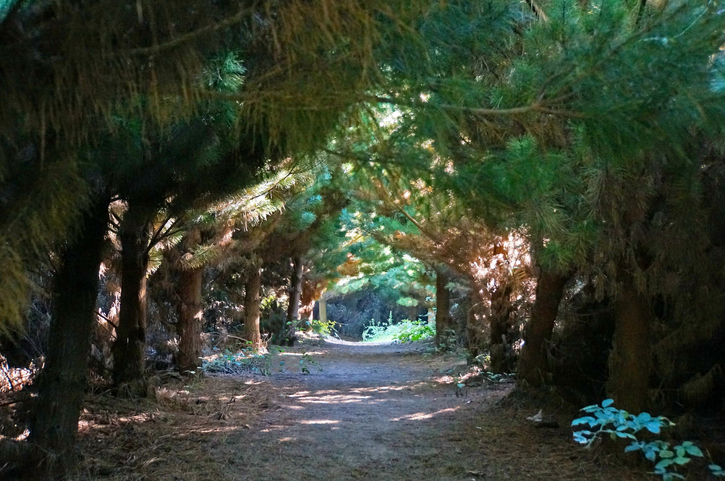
(404, 331)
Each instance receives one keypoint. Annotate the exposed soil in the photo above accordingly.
(387, 412)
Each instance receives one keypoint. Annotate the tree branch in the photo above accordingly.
(188, 37)
(107, 320)
(535, 107)
(156, 237)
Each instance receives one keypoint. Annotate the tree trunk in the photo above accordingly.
(294, 302)
(630, 362)
(533, 364)
(443, 307)
(499, 325)
(474, 323)
(323, 310)
(252, 306)
(191, 319)
(128, 350)
(310, 292)
(62, 381)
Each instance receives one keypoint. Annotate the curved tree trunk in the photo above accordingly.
(630, 362)
(189, 309)
(62, 382)
(443, 307)
(252, 306)
(293, 311)
(533, 364)
(128, 350)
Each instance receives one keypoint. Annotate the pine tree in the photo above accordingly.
(573, 129)
(102, 53)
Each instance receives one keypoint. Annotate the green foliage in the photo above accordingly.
(318, 327)
(620, 424)
(407, 302)
(717, 470)
(396, 276)
(403, 331)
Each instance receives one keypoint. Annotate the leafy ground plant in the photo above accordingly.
(619, 424)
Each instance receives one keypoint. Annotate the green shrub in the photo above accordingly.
(318, 327)
(404, 331)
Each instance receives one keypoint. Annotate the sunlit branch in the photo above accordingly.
(156, 237)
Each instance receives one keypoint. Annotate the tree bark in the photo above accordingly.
(499, 324)
(62, 382)
(533, 364)
(128, 350)
(252, 307)
(630, 362)
(307, 300)
(191, 319)
(474, 323)
(189, 311)
(294, 302)
(443, 307)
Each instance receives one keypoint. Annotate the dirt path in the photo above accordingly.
(365, 412)
(379, 412)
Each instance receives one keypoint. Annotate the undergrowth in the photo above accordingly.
(230, 362)
(324, 328)
(667, 458)
(404, 331)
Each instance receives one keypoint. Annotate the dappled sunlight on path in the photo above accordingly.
(366, 411)
(332, 412)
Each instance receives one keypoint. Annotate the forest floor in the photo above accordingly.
(335, 411)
